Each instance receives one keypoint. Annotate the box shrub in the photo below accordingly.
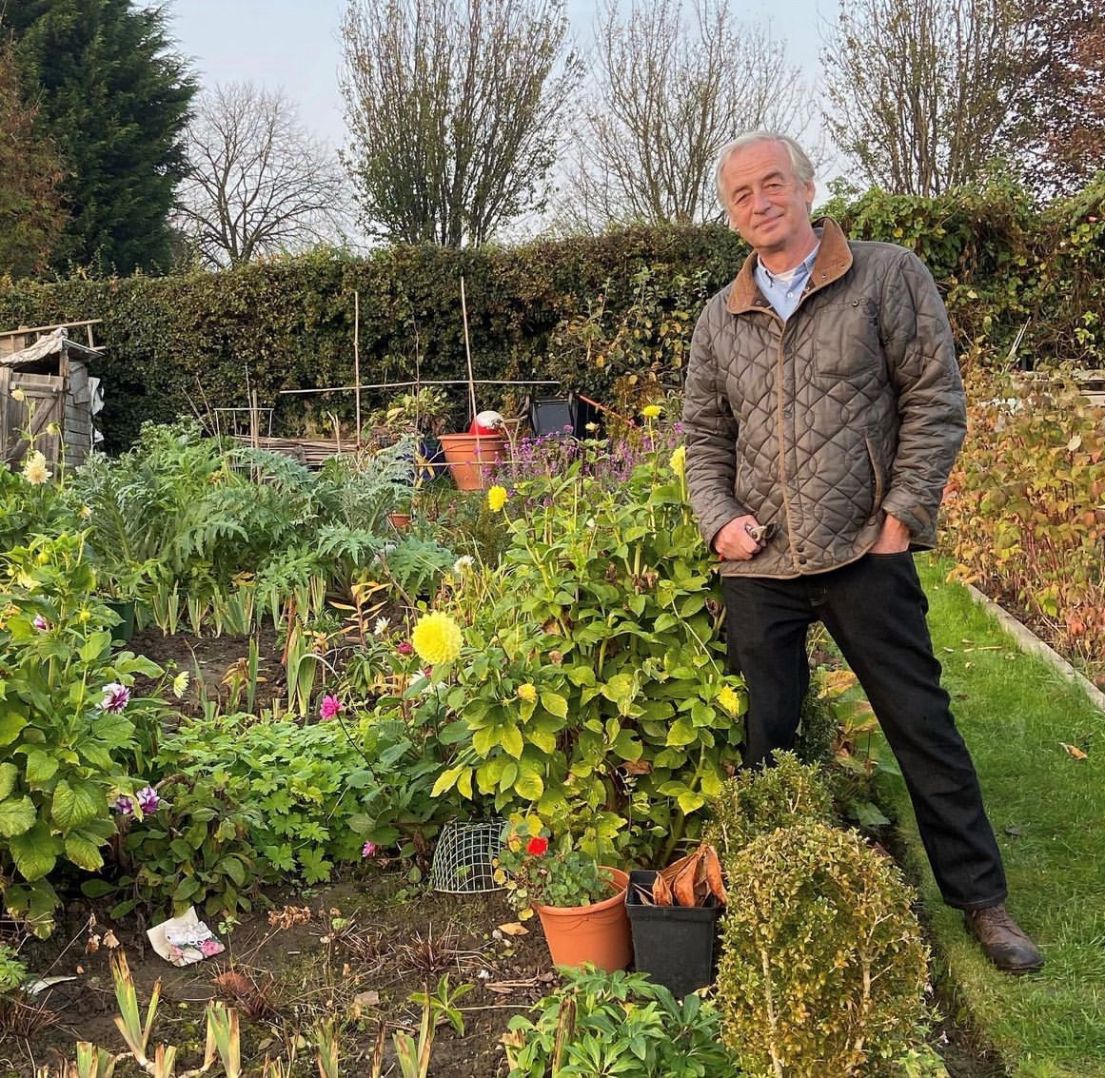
(823, 970)
(755, 802)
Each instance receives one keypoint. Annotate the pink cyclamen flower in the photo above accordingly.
(331, 705)
(369, 849)
(147, 799)
(123, 805)
(40, 623)
(405, 648)
(116, 697)
(210, 947)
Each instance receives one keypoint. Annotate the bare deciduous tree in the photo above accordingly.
(670, 89)
(1062, 103)
(454, 110)
(257, 182)
(920, 90)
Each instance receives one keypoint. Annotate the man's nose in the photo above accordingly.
(760, 202)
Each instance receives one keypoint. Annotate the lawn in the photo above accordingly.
(1047, 805)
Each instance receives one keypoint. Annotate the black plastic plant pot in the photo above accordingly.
(122, 632)
(675, 945)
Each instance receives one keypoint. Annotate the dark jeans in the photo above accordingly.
(875, 610)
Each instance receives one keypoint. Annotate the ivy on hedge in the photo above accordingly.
(550, 308)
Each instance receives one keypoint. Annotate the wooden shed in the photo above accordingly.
(56, 394)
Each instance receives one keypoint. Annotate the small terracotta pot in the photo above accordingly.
(469, 455)
(598, 933)
(399, 521)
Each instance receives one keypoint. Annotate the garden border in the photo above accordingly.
(1030, 642)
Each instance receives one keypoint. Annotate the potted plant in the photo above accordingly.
(581, 904)
(674, 916)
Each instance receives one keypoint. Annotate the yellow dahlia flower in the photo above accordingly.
(437, 638)
(651, 411)
(729, 700)
(35, 470)
(496, 498)
(679, 460)
(528, 693)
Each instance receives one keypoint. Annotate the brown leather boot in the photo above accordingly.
(1003, 941)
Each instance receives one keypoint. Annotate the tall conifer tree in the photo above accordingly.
(113, 95)
(31, 215)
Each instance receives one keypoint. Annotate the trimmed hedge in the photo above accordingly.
(590, 311)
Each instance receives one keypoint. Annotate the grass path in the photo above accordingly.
(1048, 810)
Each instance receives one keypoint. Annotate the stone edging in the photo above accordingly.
(1031, 643)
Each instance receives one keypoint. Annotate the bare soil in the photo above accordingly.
(216, 666)
(355, 951)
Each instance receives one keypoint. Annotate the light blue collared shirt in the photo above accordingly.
(784, 292)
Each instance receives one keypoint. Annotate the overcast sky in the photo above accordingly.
(294, 44)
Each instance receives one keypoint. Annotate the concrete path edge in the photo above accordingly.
(1030, 642)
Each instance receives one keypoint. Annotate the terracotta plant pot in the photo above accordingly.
(399, 521)
(469, 455)
(598, 933)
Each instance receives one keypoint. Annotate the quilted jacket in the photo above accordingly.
(851, 409)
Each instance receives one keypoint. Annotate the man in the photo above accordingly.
(823, 413)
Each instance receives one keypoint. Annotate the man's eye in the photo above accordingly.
(774, 187)
(743, 197)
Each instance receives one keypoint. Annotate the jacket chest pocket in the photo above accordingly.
(846, 341)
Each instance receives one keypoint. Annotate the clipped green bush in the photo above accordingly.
(755, 802)
(823, 969)
(817, 730)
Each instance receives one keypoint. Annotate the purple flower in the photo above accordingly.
(123, 805)
(148, 800)
(331, 705)
(40, 623)
(369, 849)
(405, 648)
(116, 697)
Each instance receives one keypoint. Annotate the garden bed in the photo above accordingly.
(367, 945)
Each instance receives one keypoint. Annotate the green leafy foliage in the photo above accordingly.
(197, 849)
(226, 534)
(12, 971)
(756, 802)
(250, 801)
(604, 1024)
(537, 874)
(823, 969)
(593, 693)
(29, 508)
(69, 745)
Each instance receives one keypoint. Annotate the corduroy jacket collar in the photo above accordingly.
(834, 259)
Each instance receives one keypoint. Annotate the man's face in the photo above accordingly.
(766, 202)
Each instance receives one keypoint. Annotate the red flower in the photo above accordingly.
(405, 648)
(537, 845)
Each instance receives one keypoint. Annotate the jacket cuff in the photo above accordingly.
(718, 517)
(901, 504)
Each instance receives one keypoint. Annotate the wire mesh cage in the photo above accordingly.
(462, 863)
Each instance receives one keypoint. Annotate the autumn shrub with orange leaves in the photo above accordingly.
(1024, 510)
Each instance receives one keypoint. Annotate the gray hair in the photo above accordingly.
(803, 167)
